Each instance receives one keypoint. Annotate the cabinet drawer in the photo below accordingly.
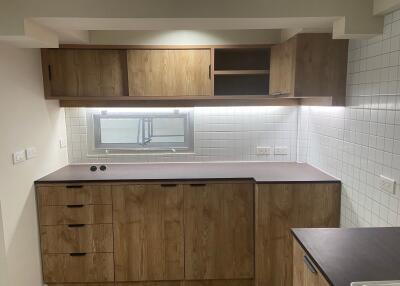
(74, 195)
(65, 268)
(77, 238)
(75, 214)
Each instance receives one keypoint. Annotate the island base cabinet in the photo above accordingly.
(280, 207)
(304, 271)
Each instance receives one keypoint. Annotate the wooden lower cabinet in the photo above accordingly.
(77, 238)
(280, 207)
(305, 274)
(219, 231)
(214, 233)
(68, 268)
(148, 232)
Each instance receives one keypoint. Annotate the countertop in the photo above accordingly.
(355, 254)
(261, 172)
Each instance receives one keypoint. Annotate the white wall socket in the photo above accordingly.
(264, 150)
(19, 156)
(386, 184)
(281, 150)
(31, 152)
(63, 143)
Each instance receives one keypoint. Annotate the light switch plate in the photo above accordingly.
(19, 156)
(281, 150)
(31, 152)
(387, 184)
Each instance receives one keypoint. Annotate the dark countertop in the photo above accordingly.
(355, 254)
(261, 172)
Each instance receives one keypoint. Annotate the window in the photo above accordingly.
(127, 131)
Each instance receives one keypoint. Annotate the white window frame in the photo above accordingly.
(96, 147)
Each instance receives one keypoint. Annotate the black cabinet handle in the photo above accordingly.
(74, 187)
(78, 254)
(168, 185)
(309, 264)
(76, 225)
(198, 185)
(75, 206)
(49, 69)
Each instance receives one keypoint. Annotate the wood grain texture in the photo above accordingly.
(151, 283)
(321, 66)
(225, 282)
(302, 276)
(63, 268)
(148, 232)
(63, 195)
(282, 68)
(86, 214)
(169, 72)
(76, 72)
(87, 238)
(219, 231)
(83, 284)
(280, 207)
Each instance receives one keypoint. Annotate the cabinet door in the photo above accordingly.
(80, 73)
(219, 231)
(281, 80)
(148, 232)
(169, 72)
(321, 66)
(304, 271)
(280, 207)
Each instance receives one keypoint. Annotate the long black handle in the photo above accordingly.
(74, 186)
(76, 225)
(75, 206)
(49, 69)
(309, 264)
(78, 254)
(168, 185)
(198, 185)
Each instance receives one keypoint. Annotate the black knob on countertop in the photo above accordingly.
(103, 168)
(93, 168)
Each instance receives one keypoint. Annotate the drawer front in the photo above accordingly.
(77, 238)
(76, 214)
(63, 195)
(64, 268)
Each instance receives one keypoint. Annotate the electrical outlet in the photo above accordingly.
(261, 150)
(281, 150)
(386, 184)
(19, 156)
(31, 152)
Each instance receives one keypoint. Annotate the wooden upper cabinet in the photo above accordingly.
(148, 232)
(280, 207)
(282, 68)
(219, 231)
(84, 72)
(169, 72)
(310, 65)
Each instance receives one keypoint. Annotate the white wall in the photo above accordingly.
(362, 141)
(26, 119)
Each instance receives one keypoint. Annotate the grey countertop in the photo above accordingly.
(354, 254)
(261, 172)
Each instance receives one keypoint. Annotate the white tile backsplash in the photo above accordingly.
(221, 134)
(360, 142)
